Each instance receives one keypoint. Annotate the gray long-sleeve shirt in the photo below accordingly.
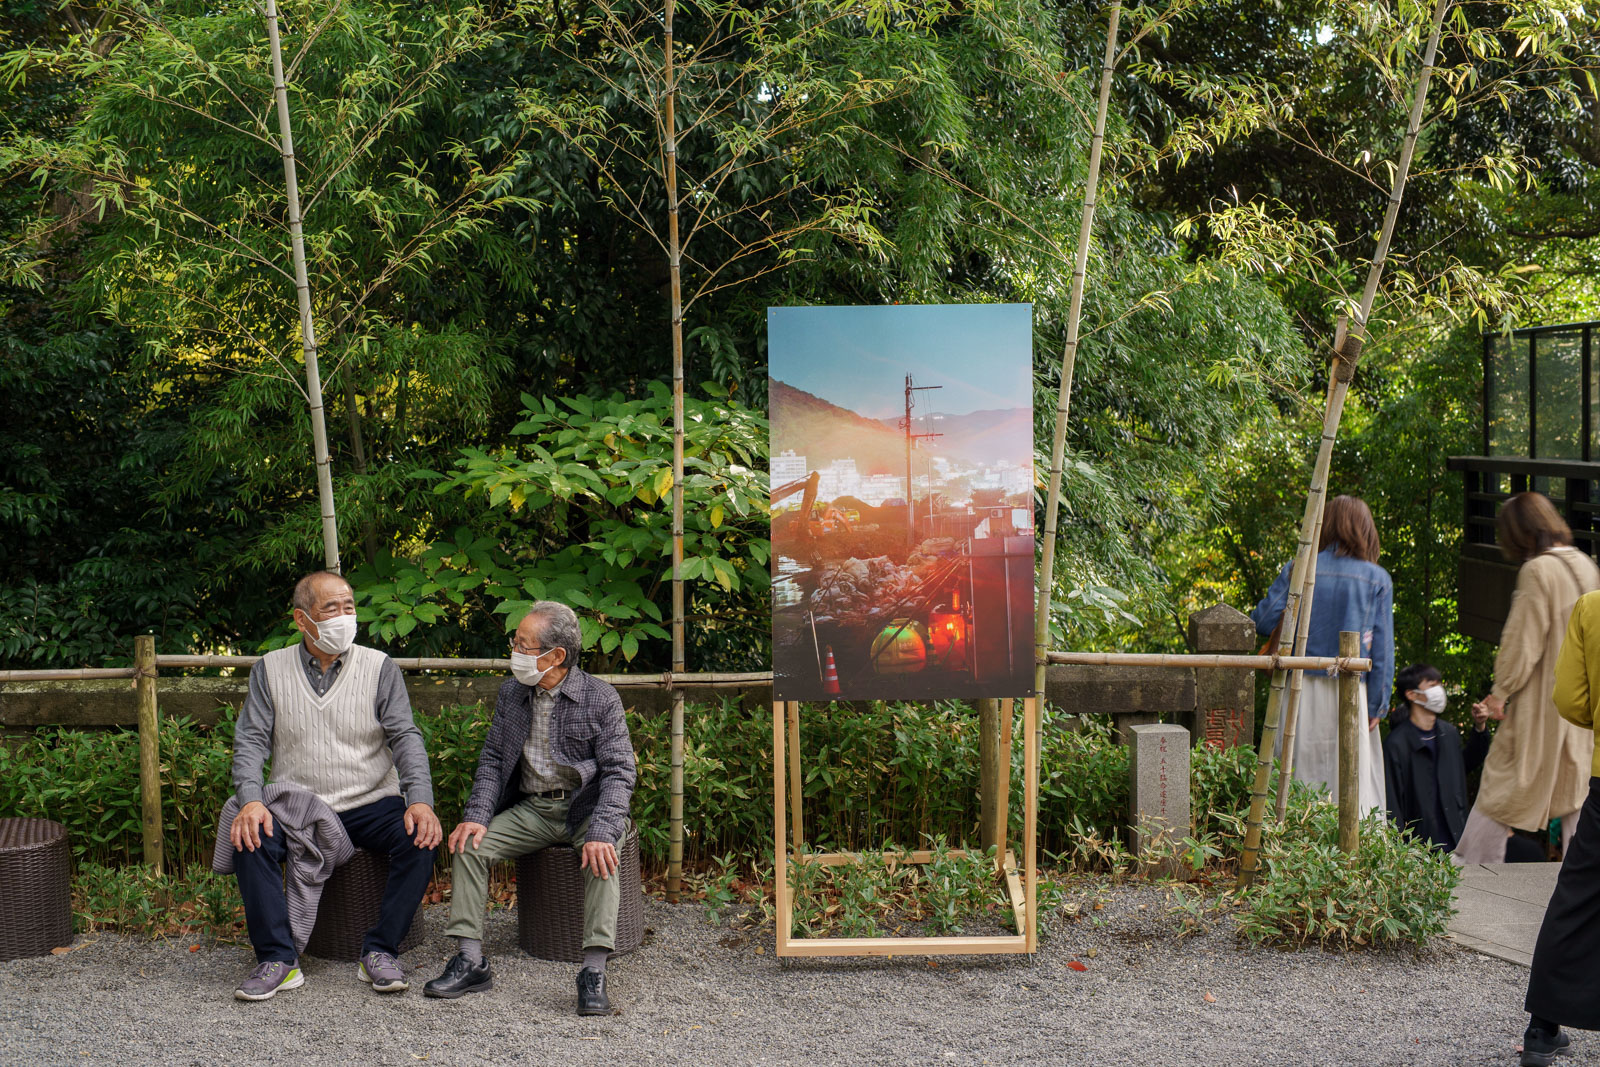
(252, 734)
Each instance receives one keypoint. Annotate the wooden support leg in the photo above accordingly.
(988, 773)
(796, 788)
(1002, 813)
(1030, 813)
(780, 851)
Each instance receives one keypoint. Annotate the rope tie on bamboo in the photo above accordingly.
(1341, 665)
(141, 672)
(666, 680)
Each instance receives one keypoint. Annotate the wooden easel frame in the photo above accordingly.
(1023, 891)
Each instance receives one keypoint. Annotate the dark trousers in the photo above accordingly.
(380, 827)
(1563, 985)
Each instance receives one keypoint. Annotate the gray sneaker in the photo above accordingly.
(268, 979)
(383, 971)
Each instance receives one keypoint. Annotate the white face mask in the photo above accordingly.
(525, 668)
(335, 635)
(1433, 699)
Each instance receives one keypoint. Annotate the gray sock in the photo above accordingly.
(472, 948)
(594, 959)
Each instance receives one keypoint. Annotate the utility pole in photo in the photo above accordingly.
(911, 439)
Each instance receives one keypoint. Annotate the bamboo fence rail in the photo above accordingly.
(1207, 660)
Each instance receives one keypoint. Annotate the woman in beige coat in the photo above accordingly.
(1538, 765)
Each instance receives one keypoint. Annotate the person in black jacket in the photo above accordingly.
(1425, 767)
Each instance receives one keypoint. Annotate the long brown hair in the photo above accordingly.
(1347, 523)
(1528, 524)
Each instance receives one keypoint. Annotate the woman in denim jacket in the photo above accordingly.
(1352, 593)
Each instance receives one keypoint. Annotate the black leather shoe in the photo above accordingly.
(1540, 1047)
(460, 977)
(592, 998)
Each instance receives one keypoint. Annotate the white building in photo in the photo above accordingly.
(840, 478)
(787, 467)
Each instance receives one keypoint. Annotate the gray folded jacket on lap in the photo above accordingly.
(316, 844)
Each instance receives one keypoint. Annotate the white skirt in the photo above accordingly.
(1316, 745)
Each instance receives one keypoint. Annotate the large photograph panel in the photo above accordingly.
(902, 501)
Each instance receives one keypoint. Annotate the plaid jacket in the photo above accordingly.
(587, 733)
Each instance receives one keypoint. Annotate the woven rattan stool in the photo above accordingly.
(550, 901)
(35, 888)
(350, 903)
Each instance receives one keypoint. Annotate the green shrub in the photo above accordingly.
(1394, 890)
(874, 772)
(136, 900)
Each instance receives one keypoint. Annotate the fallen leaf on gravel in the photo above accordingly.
(761, 950)
(1076, 966)
(194, 948)
(1099, 906)
(933, 963)
(62, 950)
(1209, 999)
(1092, 953)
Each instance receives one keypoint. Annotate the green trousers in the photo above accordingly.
(527, 826)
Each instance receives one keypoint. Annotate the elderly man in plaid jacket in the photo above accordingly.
(556, 768)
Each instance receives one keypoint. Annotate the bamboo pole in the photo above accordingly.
(1069, 358)
(144, 662)
(1209, 660)
(1343, 370)
(1291, 711)
(426, 663)
(1351, 720)
(68, 673)
(302, 289)
(674, 257)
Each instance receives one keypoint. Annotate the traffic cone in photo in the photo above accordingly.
(830, 675)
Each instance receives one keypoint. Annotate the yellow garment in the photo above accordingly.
(1539, 764)
(1579, 661)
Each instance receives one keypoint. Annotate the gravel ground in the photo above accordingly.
(698, 994)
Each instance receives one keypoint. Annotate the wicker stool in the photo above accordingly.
(350, 903)
(550, 901)
(35, 888)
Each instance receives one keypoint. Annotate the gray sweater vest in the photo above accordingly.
(334, 744)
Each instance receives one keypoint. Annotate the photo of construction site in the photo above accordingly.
(902, 501)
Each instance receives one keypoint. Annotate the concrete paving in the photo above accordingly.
(1499, 907)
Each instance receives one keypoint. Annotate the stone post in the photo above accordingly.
(1225, 698)
(1158, 769)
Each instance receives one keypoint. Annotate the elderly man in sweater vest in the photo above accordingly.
(556, 769)
(335, 719)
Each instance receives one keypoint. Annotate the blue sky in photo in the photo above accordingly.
(858, 357)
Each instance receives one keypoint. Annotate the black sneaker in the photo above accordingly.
(1540, 1047)
(592, 998)
(460, 977)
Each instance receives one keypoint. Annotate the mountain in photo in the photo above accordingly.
(824, 432)
(979, 437)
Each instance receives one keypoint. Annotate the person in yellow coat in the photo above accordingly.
(1538, 763)
(1563, 983)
